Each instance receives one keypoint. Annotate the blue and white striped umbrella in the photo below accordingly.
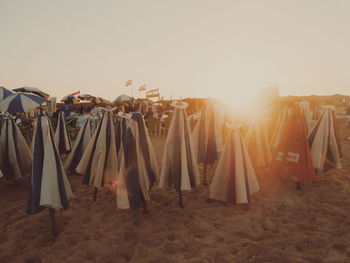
(21, 102)
(4, 93)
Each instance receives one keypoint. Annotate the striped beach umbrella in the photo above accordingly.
(179, 166)
(21, 102)
(4, 93)
(35, 91)
(62, 139)
(49, 184)
(15, 156)
(234, 180)
(79, 147)
(138, 166)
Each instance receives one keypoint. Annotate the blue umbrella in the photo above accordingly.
(21, 102)
(4, 93)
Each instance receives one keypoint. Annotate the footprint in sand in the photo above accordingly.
(171, 236)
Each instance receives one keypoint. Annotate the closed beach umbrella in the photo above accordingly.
(179, 165)
(258, 145)
(21, 102)
(293, 156)
(49, 184)
(322, 139)
(138, 166)
(79, 147)
(204, 138)
(279, 128)
(234, 180)
(62, 138)
(33, 90)
(99, 164)
(15, 156)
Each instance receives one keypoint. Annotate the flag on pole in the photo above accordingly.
(152, 91)
(142, 88)
(128, 83)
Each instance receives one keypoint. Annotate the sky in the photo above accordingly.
(186, 48)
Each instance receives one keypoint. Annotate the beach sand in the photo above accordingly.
(281, 225)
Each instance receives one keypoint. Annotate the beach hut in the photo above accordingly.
(293, 156)
(234, 180)
(204, 138)
(49, 184)
(258, 145)
(179, 165)
(79, 147)
(62, 138)
(99, 163)
(323, 143)
(15, 156)
(138, 166)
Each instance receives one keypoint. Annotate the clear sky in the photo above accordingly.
(185, 48)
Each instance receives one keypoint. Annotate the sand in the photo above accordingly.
(281, 224)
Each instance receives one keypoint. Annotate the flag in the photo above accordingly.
(142, 88)
(74, 94)
(152, 91)
(128, 83)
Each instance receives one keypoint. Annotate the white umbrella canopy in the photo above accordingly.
(33, 90)
(123, 98)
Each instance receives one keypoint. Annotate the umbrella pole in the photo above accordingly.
(52, 213)
(145, 207)
(95, 195)
(180, 199)
(205, 174)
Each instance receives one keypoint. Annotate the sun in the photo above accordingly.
(248, 104)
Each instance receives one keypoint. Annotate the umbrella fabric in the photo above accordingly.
(123, 98)
(35, 91)
(99, 164)
(204, 136)
(256, 140)
(62, 138)
(120, 133)
(234, 180)
(293, 156)
(279, 128)
(1, 175)
(179, 165)
(79, 147)
(49, 184)
(4, 93)
(15, 156)
(307, 114)
(138, 166)
(21, 102)
(86, 97)
(323, 143)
